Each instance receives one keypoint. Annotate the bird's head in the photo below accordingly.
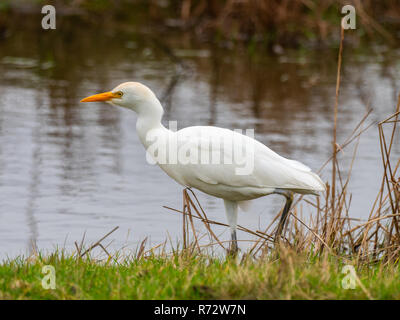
(131, 95)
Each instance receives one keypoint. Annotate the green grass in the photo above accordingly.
(194, 277)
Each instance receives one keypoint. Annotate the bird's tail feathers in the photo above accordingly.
(312, 183)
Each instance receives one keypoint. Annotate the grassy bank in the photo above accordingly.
(196, 277)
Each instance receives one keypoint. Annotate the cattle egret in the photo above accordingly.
(265, 172)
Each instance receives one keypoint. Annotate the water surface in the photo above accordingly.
(67, 168)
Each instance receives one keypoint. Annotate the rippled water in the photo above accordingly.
(67, 168)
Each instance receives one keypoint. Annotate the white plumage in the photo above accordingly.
(270, 172)
(190, 156)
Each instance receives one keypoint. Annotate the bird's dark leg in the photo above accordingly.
(231, 208)
(286, 209)
(233, 247)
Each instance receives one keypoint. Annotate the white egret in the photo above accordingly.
(268, 173)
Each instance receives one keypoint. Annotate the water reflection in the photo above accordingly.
(66, 167)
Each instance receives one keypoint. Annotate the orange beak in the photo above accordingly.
(105, 96)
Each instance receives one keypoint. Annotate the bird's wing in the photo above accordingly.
(265, 168)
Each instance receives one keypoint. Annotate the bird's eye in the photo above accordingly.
(119, 94)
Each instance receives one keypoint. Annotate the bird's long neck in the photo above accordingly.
(149, 120)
